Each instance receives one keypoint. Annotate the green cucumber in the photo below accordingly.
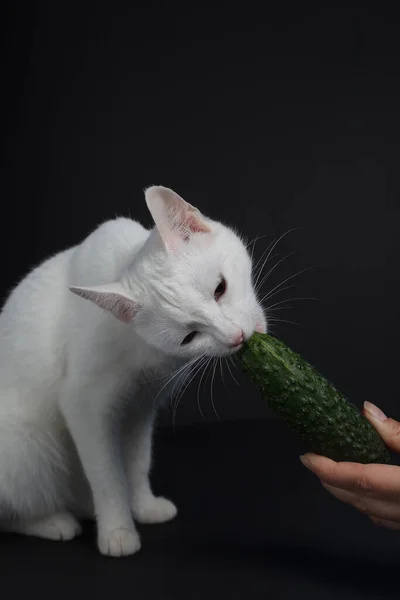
(326, 421)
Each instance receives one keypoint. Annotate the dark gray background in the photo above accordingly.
(268, 120)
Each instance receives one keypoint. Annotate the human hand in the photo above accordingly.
(373, 489)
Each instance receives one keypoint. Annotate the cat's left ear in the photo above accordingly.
(175, 219)
(111, 297)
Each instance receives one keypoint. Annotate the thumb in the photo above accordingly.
(388, 429)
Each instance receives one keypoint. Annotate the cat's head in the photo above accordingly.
(189, 292)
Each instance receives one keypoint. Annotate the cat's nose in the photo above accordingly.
(238, 340)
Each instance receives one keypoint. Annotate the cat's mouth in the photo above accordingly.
(236, 348)
(230, 350)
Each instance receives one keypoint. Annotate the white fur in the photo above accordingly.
(87, 340)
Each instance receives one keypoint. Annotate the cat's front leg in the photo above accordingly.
(93, 418)
(146, 507)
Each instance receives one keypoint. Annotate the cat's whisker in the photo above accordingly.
(263, 280)
(185, 377)
(272, 310)
(184, 388)
(279, 291)
(261, 269)
(209, 372)
(198, 390)
(180, 381)
(222, 372)
(211, 389)
(257, 269)
(167, 375)
(181, 377)
(178, 374)
(284, 321)
(206, 371)
(289, 300)
(256, 265)
(235, 364)
(268, 295)
(272, 248)
(182, 384)
(257, 238)
(186, 384)
(228, 360)
(170, 377)
(254, 241)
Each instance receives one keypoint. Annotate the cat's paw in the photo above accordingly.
(119, 542)
(154, 510)
(60, 526)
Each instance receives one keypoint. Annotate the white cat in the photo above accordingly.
(87, 341)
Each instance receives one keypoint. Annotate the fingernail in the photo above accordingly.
(374, 411)
(306, 461)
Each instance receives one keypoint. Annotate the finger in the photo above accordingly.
(386, 524)
(382, 509)
(388, 429)
(382, 481)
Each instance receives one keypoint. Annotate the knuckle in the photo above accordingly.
(361, 483)
(395, 432)
(361, 505)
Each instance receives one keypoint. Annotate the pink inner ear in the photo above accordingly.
(192, 224)
(175, 219)
(122, 307)
(195, 225)
(125, 310)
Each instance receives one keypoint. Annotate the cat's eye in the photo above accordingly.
(188, 338)
(220, 289)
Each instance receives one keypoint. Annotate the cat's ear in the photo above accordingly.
(111, 297)
(175, 218)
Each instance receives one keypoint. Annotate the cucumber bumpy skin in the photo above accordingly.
(326, 421)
